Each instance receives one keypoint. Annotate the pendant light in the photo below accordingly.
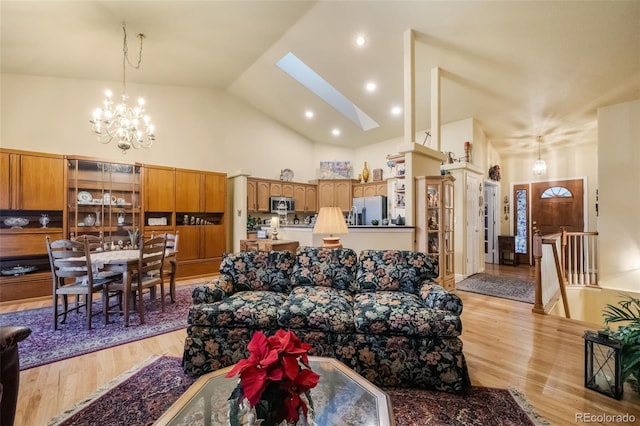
(539, 167)
(128, 125)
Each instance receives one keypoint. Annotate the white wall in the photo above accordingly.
(619, 195)
(196, 128)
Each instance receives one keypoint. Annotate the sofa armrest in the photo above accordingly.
(213, 291)
(12, 335)
(436, 297)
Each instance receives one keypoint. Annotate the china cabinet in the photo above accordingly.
(435, 224)
(32, 200)
(103, 199)
(200, 219)
(159, 194)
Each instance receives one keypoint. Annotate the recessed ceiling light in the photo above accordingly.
(361, 41)
(335, 132)
(308, 113)
(396, 110)
(371, 87)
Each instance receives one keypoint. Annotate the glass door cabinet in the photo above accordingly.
(435, 224)
(104, 200)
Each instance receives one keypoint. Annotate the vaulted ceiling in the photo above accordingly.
(521, 68)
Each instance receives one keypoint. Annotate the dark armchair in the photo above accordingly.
(10, 336)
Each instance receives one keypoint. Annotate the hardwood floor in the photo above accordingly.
(505, 345)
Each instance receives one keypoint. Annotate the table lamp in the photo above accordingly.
(330, 221)
(275, 224)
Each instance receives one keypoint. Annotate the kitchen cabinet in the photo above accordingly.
(280, 189)
(305, 197)
(32, 201)
(396, 186)
(258, 193)
(104, 199)
(370, 189)
(435, 224)
(335, 192)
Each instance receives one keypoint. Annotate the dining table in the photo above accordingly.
(124, 261)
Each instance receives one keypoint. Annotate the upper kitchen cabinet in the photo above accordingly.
(258, 193)
(335, 192)
(31, 181)
(370, 189)
(305, 197)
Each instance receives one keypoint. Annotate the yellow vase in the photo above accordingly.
(365, 173)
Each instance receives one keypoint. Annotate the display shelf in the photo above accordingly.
(434, 224)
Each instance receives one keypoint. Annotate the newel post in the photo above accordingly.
(537, 256)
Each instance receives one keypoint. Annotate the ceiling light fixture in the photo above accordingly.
(308, 114)
(336, 132)
(361, 41)
(396, 110)
(130, 126)
(539, 167)
(371, 87)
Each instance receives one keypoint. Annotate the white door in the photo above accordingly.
(491, 222)
(473, 224)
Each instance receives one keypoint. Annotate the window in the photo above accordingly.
(556, 192)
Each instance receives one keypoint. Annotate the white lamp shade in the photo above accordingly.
(539, 167)
(275, 222)
(330, 221)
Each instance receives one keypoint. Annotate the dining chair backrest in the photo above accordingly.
(152, 256)
(172, 240)
(69, 259)
(95, 242)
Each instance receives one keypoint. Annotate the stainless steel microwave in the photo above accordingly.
(279, 204)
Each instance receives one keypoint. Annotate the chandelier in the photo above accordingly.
(539, 167)
(129, 126)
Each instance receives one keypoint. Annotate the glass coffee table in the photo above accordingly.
(342, 397)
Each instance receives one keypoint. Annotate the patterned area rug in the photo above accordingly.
(497, 286)
(140, 396)
(45, 345)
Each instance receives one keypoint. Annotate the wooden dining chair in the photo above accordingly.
(148, 274)
(170, 269)
(72, 274)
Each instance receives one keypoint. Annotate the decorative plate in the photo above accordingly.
(286, 174)
(85, 197)
(18, 270)
(16, 222)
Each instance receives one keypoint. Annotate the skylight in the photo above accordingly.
(312, 81)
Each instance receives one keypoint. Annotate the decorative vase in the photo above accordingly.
(44, 220)
(365, 172)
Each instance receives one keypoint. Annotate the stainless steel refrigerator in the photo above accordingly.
(370, 208)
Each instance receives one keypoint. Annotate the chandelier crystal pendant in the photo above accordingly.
(539, 167)
(129, 126)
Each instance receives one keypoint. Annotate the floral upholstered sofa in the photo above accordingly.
(380, 313)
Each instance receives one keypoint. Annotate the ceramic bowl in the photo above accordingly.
(16, 222)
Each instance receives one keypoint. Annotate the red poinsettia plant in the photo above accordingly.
(274, 377)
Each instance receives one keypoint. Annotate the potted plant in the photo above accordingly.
(627, 311)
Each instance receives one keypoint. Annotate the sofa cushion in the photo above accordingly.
(393, 270)
(252, 309)
(316, 266)
(261, 270)
(398, 313)
(317, 308)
